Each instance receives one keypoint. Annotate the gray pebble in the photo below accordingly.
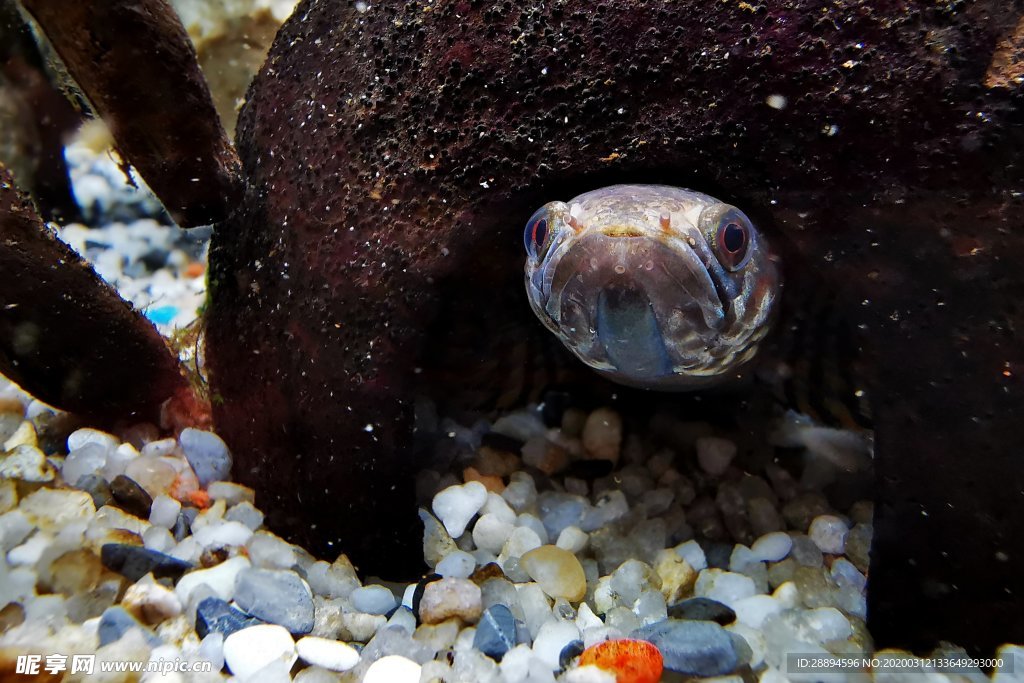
(207, 454)
(696, 648)
(116, 621)
(496, 632)
(277, 596)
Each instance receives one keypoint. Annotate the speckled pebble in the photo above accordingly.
(449, 598)
(213, 615)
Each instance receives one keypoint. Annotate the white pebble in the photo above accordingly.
(81, 437)
(393, 669)
(456, 565)
(164, 512)
(89, 459)
(326, 653)
(223, 534)
(725, 587)
(158, 538)
(715, 454)
(249, 650)
(772, 547)
(456, 505)
(754, 610)
(828, 532)
(572, 539)
(552, 638)
(220, 578)
(118, 461)
(490, 532)
(589, 674)
(693, 554)
(26, 463)
(159, 448)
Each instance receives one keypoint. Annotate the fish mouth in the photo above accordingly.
(641, 307)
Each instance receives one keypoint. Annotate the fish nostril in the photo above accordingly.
(619, 269)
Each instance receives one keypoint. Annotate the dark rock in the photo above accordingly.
(116, 621)
(276, 596)
(131, 497)
(697, 648)
(496, 632)
(589, 470)
(718, 554)
(133, 562)
(702, 609)
(183, 525)
(97, 487)
(155, 259)
(215, 615)
(500, 442)
(571, 651)
(207, 454)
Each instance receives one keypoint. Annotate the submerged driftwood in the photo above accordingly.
(394, 155)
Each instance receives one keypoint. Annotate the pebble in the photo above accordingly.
(693, 554)
(828, 532)
(245, 513)
(153, 474)
(151, 602)
(772, 547)
(456, 565)
(26, 463)
(725, 587)
(248, 651)
(496, 633)
(97, 487)
(456, 505)
(630, 661)
(702, 609)
(332, 655)
(134, 562)
(373, 599)
(220, 578)
(572, 539)
(715, 454)
(81, 437)
(207, 454)
(602, 435)
(213, 615)
(131, 497)
(556, 571)
(447, 598)
(551, 639)
(695, 648)
(393, 669)
(278, 596)
(116, 621)
(164, 512)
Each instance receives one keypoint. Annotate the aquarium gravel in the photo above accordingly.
(135, 546)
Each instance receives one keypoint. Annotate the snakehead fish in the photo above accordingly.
(664, 288)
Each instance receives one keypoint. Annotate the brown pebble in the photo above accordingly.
(131, 497)
(451, 598)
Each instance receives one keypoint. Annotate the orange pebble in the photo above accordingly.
(194, 269)
(200, 499)
(632, 661)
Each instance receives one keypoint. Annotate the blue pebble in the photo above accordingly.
(162, 315)
(373, 600)
(694, 648)
(496, 632)
(207, 454)
(115, 622)
(213, 615)
(133, 562)
(277, 596)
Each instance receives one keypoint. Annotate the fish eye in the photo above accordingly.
(535, 237)
(733, 242)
